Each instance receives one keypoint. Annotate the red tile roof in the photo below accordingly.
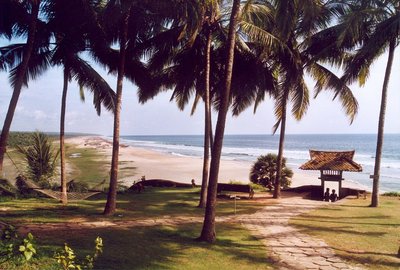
(332, 160)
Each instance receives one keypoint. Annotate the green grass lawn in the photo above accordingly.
(358, 233)
(154, 202)
(156, 247)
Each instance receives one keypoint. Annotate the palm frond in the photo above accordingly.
(88, 78)
(357, 68)
(11, 56)
(195, 103)
(38, 63)
(300, 98)
(327, 80)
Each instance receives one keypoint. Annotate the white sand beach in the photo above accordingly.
(157, 165)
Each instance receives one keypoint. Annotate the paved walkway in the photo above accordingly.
(290, 248)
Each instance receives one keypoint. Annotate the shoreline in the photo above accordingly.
(158, 165)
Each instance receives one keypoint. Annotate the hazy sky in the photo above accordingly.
(39, 109)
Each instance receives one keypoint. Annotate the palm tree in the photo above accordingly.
(208, 232)
(189, 72)
(70, 41)
(18, 57)
(196, 69)
(128, 23)
(40, 158)
(293, 24)
(185, 65)
(375, 26)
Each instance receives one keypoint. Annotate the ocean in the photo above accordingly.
(249, 147)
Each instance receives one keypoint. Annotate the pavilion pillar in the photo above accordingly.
(322, 185)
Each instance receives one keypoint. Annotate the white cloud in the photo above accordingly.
(40, 115)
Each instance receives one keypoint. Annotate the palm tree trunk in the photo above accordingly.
(207, 125)
(381, 125)
(112, 192)
(22, 69)
(64, 199)
(277, 186)
(208, 232)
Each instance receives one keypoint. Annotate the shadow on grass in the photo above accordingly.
(153, 203)
(163, 247)
(368, 258)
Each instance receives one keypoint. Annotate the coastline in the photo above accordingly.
(157, 165)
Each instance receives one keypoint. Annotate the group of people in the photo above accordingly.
(333, 197)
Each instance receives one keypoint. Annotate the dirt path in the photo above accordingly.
(290, 248)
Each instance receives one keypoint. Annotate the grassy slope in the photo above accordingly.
(158, 247)
(154, 202)
(357, 232)
(90, 167)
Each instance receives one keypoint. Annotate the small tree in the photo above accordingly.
(263, 172)
(41, 159)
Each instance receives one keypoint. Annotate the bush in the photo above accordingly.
(263, 172)
(391, 194)
(22, 187)
(73, 186)
(15, 251)
(13, 248)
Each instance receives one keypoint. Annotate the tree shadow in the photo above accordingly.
(158, 247)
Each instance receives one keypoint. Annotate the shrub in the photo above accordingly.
(22, 187)
(12, 248)
(263, 172)
(391, 194)
(74, 186)
(67, 258)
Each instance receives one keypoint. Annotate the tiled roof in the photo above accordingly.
(332, 160)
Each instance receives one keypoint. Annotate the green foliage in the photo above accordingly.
(391, 194)
(263, 172)
(19, 139)
(67, 259)
(12, 248)
(21, 252)
(235, 182)
(40, 158)
(6, 188)
(27, 248)
(22, 187)
(76, 186)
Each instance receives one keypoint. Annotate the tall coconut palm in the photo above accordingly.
(208, 232)
(70, 41)
(197, 69)
(25, 25)
(128, 23)
(293, 24)
(374, 25)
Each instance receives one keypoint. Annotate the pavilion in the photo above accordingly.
(332, 164)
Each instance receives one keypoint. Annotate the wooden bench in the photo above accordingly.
(236, 188)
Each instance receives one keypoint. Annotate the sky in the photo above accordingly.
(39, 109)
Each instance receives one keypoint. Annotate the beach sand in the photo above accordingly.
(157, 165)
